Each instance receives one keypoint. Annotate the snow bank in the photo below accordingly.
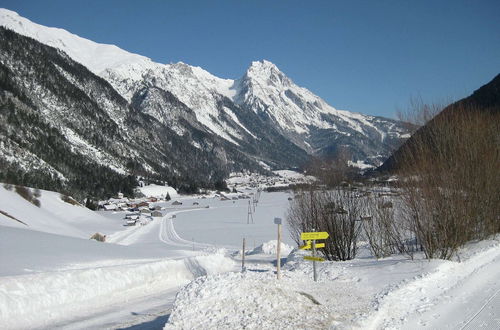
(245, 300)
(39, 300)
(270, 248)
(158, 191)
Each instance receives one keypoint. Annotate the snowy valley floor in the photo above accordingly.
(184, 269)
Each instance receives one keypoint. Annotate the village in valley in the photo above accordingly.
(157, 200)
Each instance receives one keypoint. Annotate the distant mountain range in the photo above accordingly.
(86, 116)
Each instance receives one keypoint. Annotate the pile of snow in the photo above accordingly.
(37, 300)
(245, 301)
(270, 248)
(158, 191)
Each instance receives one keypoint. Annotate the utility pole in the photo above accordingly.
(249, 215)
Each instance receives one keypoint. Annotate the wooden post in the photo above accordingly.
(278, 249)
(243, 257)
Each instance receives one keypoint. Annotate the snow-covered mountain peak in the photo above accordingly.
(263, 65)
(267, 74)
(96, 57)
(236, 110)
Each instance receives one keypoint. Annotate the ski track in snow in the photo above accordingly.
(429, 301)
(168, 235)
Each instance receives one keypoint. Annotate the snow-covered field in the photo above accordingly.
(185, 269)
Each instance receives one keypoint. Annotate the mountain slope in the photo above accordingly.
(64, 127)
(264, 98)
(484, 100)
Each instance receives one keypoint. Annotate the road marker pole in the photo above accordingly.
(278, 248)
(243, 257)
(314, 261)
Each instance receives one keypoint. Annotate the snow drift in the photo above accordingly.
(37, 300)
(270, 248)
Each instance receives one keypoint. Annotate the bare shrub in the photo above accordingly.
(36, 202)
(334, 211)
(418, 113)
(304, 213)
(379, 228)
(26, 193)
(99, 237)
(8, 186)
(450, 180)
(384, 228)
(69, 200)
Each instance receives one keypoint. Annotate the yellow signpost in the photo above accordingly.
(308, 246)
(310, 239)
(314, 258)
(314, 235)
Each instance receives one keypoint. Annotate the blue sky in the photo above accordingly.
(365, 56)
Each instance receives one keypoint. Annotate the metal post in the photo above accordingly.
(278, 250)
(243, 257)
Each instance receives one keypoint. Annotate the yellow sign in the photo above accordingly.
(308, 246)
(314, 235)
(313, 258)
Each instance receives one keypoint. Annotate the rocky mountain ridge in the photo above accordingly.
(177, 112)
